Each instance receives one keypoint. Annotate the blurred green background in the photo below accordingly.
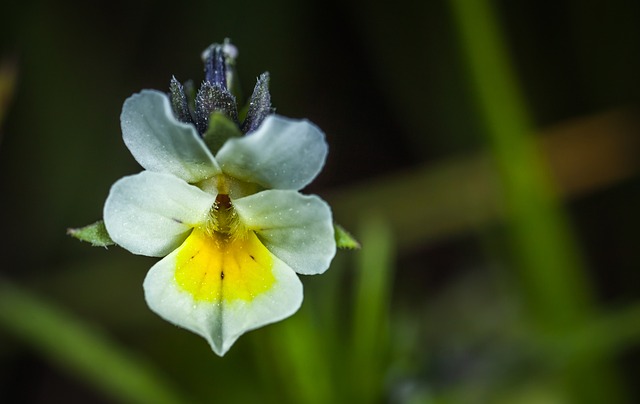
(484, 152)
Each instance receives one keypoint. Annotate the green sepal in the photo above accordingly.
(179, 102)
(95, 233)
(221, 128)
(259, 105)
(211, 98)
(344, 239)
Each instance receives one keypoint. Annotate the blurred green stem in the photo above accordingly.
(609, 334)
(557, 292)
(542, 239)
(301, 359)
(369, 349)
(88, 354)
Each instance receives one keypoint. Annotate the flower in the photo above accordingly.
(232, 229)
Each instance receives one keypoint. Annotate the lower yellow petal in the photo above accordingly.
(216, 267)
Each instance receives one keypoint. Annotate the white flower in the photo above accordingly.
(233, 229)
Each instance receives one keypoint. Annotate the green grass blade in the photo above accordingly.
(556, 289)
(86, 353)
(550, 263)
(370, 336)
(299, 355)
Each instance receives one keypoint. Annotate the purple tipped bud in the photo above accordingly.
(212, 98)
(179, 101)
(259, 105)
(215, 67)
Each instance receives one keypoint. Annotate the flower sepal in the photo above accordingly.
(95, 233)
(220, 129)
(344, 239)
(259, 106)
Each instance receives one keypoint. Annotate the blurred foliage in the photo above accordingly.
(484, 153)
(72, 345)
(8, 73)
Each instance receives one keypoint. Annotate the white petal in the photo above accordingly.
(152, 213)
(282, 153)
(161, 143)
(187, 288)
(296, 228)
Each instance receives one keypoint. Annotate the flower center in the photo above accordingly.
(223, 220)
(222, 260)
(215, 268)
(223, 184)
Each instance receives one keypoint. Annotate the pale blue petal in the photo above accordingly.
(152, 213)
(161, 143)
(296, 228)
(282, 153)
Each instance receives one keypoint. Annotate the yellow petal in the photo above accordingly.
(218, 268)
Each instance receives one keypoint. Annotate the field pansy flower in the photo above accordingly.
(219, 200)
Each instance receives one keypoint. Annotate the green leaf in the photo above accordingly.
(221, 128)
(344, 239)
(95, 233)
